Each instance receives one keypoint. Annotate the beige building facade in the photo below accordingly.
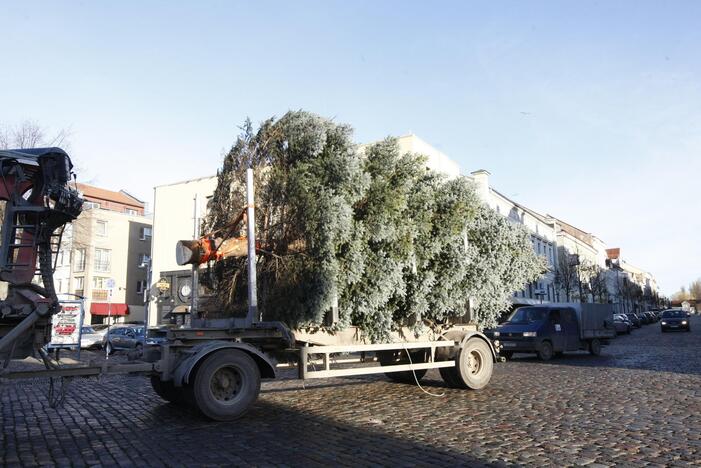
(105, 257)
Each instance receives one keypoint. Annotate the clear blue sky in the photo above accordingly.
(590, 111)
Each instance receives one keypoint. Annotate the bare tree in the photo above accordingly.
(29, 134)
(596, 279)
(566, 273)
(695, 289)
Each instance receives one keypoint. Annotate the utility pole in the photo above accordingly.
(194, 294)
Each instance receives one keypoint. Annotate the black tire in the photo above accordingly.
(388, 358)
(595, 347)
(166, 390)
(450, 376)
(226, 384)
(507, 354)
(545, 353)
(474, 364)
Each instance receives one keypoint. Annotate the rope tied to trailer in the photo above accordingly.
(411, 364)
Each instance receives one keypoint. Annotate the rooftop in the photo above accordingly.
(97, 194)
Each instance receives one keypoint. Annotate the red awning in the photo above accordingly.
(103, 308)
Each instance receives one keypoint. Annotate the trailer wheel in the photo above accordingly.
(226, 384)
(595, 347)
(473, 366)
(545, 353)
(166, 390)
(388, 358)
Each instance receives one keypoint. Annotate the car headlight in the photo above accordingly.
(663, 323)
(496, 333)
(530, 334)
(683, 322)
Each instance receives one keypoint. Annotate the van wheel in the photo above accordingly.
(226, 385)
(545, 353)
(595, 347)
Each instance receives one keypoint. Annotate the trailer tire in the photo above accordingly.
(545, 353)
(226, 384)
(166, 390)
(474, 364)
(387, 358)
(595, 347)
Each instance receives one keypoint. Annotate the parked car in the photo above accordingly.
(674, 319)
(634, 319)
(552, 329)
(124, 338)
(130, 338)
(89, 338)
(622, 324)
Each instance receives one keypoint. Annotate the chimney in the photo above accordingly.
(481, 178)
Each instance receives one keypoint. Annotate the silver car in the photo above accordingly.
(89, 338)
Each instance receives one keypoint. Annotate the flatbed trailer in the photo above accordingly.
(219, 370)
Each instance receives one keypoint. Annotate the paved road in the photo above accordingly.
(639, 403)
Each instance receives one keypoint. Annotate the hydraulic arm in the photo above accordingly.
(38, 203)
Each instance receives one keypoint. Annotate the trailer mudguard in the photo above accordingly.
(181, 374)
(461, 337)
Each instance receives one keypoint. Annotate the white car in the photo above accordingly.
(89, 338)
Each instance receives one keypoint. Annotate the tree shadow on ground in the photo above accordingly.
(274, 433)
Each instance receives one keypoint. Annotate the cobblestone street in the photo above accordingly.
(638, 403)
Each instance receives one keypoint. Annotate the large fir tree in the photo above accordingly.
(373, 232)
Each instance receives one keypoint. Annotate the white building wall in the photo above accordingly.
(174, 208)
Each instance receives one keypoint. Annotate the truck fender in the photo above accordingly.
(462, 336)
(182, 372)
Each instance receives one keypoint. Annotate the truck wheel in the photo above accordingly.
(226, 384)
(166, 390)
(545, 353)
(450, 376)
(388, 358)
(474, 364)
(595, 347)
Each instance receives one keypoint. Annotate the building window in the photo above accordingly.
(80, 260)
(140, 286)
(144, 260)
(101, 228)
(102, 260)
(88, 205)
(131, 211)
(99, 282)
(79, 284)
(145, 233)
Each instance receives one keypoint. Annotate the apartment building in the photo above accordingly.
(108, 245)
(543, 238)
